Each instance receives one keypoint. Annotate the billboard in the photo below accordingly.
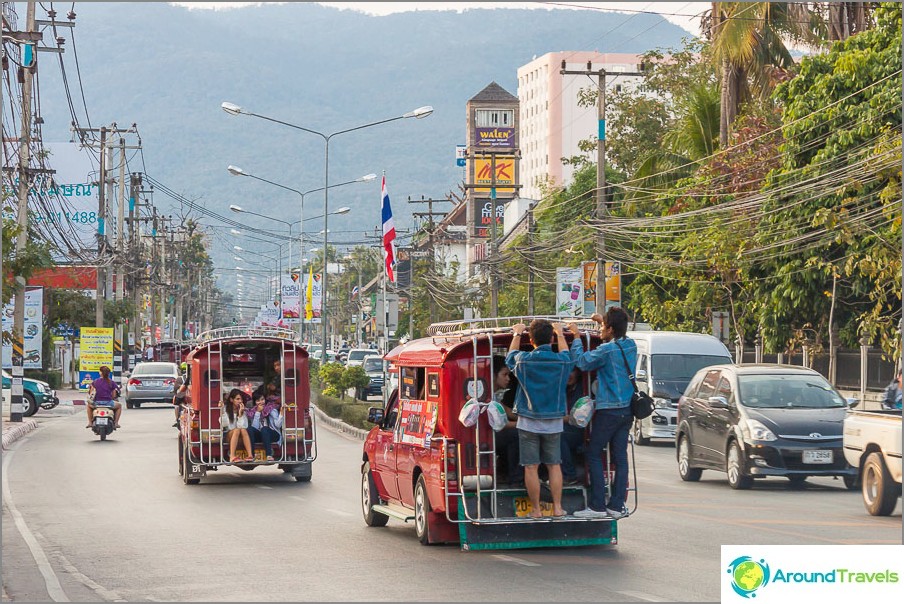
(613, 285)
(290, 296)
(505, 174)
(495, 138)
(482, 210)
(95, 349)
(34, 329)
(569, 292)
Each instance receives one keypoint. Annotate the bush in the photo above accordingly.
(54, 378)
(331, 379)
(355, 377)
(352, 413)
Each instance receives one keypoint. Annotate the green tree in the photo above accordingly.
(354, 377)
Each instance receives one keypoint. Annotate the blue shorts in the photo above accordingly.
(535, 449)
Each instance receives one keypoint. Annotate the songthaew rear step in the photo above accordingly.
(511, 528)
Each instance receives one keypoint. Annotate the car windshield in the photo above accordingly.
(682, 367)
(788, 391)
(156, 369)
(357, 355)
(373, 363)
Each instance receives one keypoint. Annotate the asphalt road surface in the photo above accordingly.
(85, 520)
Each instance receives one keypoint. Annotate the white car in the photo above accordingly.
(356, 356)
(330, 356)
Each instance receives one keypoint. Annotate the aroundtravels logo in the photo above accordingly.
(748, 575)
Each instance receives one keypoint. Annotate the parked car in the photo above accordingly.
(373, 367)
(330, 356)
(666, 362)
(356, 356)
(872, 444)
(151, 382)
(758, 420)
(36, 394)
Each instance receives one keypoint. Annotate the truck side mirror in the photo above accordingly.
(641, 375)
(375, 415)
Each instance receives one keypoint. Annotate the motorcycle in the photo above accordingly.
(104, 421)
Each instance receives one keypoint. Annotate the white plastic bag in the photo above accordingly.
(469, 413)
(496, 416)
(581, 412)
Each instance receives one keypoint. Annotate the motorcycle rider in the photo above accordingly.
(181, 389)
(103, 390)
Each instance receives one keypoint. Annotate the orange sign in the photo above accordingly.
(505, 174)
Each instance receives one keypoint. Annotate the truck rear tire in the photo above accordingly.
(880, 492)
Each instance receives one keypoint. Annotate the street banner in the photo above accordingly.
(315, 293)
(95, 349)
(271, 315)
(34, 330)
(613, 285)
(589, 269)
(569, 292)
(291, 298)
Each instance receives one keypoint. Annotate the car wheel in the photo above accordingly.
(30, 406)
(734, 468)
(137, 405)
(422, 511)
(369, 499)
(639, 438)
(128, 404)
(880, 495)
(851, 483)
(685, 470)
(797, 481)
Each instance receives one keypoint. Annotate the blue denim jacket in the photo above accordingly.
(542, 376)
(613, 387)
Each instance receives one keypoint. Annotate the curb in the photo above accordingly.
(12, 435)
(337, 425)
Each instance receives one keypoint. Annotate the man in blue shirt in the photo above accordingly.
(612, 419)
(540, 406)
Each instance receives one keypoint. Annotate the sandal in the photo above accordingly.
(270, 458)
(248, 458)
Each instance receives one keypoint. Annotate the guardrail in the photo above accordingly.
(232, 333)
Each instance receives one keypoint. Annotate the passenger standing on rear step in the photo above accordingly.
(540, 405)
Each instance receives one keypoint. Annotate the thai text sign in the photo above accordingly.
(95, 349)
(417, 422)
(290, 297)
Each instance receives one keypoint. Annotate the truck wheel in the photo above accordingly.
(31, 407)
(880, 493)
(422, 511)
(369, 499)
(181, 469)
(734, 468)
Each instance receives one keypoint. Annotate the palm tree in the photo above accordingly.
(749, 43)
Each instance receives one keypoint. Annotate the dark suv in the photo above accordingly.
(373, 367)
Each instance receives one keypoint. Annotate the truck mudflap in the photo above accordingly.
(508, 530)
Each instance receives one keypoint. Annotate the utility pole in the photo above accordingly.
(494, 284)
(430, 229)
(16, 408)
(530, 262)
(601, 193)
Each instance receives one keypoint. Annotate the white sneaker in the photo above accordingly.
(590, 513)
(617, 514)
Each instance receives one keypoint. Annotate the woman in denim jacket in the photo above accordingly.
(612, 419)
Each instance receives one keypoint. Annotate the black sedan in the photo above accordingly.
(757, 420)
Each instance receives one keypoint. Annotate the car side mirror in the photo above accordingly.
(718, 402)
(375, 415)
(852, 402)
(641, 374)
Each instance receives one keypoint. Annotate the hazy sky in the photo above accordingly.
(683, 14)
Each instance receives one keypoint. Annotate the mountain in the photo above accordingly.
(168, 69)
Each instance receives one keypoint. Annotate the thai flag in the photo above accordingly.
(354, 292)
(389, 235)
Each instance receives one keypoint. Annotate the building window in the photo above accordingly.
(495, 118)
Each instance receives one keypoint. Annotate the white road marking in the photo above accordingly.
(263, 486)
(520, 561)
(643, 596)
(105, 594)
(51, 581)
(297, 498)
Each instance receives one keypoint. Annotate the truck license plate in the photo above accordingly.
(523, 507)
(818, 457)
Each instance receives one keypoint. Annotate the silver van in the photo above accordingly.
(666, 362)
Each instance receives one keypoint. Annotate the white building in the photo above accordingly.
(551, 123)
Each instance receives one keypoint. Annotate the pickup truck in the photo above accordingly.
(872, 442)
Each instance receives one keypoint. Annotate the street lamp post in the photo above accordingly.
(419, 113)
(236, 171)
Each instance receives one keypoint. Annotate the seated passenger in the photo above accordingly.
(572, 436)
(504, 387)
(234, 423)
(266, 420)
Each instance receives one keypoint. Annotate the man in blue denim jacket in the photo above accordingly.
(540, 404)
(612, 419)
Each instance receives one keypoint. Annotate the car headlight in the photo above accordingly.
(43, 386)
(758, 431)
(661, 403)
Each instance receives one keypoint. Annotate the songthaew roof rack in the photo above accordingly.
(236, 332)
(500, 324)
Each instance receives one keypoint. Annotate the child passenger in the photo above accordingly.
(234, 423)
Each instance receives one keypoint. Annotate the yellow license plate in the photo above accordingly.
(523, 507)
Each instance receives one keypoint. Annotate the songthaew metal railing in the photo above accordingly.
(499, 324)
(236, 332)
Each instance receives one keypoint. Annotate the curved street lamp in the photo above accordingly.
(419, 113)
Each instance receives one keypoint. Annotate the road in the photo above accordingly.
(86, 520)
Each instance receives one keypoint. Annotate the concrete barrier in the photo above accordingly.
(14, 431)
(337, 425)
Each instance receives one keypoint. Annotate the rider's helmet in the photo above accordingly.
(183, 366)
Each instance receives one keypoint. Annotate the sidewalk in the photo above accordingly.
(71, 401)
